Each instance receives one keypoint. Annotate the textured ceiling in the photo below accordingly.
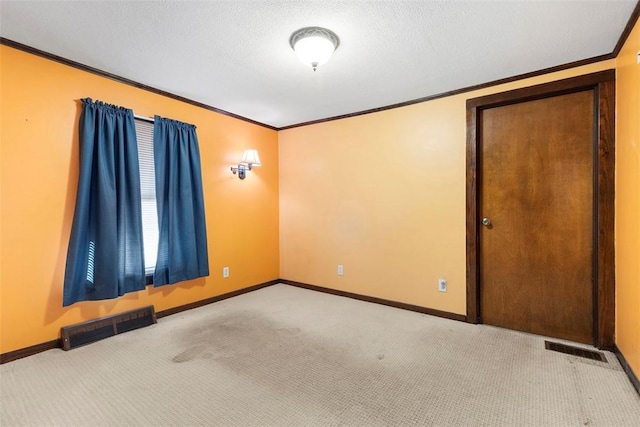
(235, 55)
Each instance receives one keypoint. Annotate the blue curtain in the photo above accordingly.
(105, 255)
(182, 245)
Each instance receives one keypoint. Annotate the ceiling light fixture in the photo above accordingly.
(314, 45)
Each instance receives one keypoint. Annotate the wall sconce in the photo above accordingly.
(249, 160)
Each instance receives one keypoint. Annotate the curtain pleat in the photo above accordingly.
(105, 256)
(182, 245)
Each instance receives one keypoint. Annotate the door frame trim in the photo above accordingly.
(603, 85)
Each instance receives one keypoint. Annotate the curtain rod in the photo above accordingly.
(146, 119)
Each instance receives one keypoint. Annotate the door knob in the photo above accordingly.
(486, 222)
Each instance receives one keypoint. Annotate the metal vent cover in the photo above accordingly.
(97, 329)
(576, 351)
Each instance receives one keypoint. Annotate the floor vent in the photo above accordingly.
(575, 351)
(95, 330)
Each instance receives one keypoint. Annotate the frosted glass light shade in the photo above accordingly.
(314, 51)
(314, 45)
(251, 158)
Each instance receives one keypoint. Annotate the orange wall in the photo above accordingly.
(39, 172)
(628, 201)
(384, 195)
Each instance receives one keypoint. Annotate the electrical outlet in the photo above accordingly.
(442, 284)
(225, 272)
(340, 270)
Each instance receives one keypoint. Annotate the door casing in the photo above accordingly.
(603, 85)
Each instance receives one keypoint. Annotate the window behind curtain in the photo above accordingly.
(144, 132)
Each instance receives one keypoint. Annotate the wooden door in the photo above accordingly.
(535, 186)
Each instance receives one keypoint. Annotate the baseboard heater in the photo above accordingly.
(97, 329)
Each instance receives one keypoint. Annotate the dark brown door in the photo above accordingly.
(536, 181)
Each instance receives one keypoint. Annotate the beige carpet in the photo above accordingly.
(285, 356)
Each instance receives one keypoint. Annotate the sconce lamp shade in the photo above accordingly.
(314, 45)
(251, 158)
